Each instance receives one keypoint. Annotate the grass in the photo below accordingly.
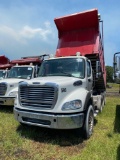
(33, 143)
(113, 87)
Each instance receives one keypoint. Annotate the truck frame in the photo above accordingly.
(70, 86)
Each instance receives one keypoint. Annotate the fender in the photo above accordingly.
(13, 90)
(87, 101)
(80, 93)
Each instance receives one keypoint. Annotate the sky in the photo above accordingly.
(27, 27)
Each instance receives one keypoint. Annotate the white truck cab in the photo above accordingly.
(9, 86)
(60, 96)
(23, 69)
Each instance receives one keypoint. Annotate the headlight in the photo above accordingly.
(13, 93)
(76, 104)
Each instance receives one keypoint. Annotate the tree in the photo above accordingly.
(109, 74)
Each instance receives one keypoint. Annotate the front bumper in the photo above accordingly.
(51, 120)
(7, 101)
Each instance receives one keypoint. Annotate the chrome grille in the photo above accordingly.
(3, 88)
(37, 96)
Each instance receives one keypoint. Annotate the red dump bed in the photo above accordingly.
(4, 60)
(80, 33)
(5, 66)
(26, 61)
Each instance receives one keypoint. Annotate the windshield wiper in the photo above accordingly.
(58, 74)
(67, 74)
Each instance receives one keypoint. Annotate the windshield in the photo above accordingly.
(2, 74)
(20, 72)
(73, 67)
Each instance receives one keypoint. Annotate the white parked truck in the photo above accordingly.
(22, 69)
(71, 85)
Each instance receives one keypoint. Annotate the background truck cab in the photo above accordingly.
(22, 69)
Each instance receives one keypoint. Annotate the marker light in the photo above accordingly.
(78, 53)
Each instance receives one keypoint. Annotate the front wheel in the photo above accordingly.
(89, 123)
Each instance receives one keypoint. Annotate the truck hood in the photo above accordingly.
(11, 80)
(53, 79)
(65, 90)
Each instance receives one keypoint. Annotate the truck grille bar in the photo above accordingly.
(3, 88)
(38, 96)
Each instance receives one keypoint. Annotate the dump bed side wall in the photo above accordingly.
(83, 41)
(102, 60)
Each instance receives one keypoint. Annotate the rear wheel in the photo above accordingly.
(89, 123)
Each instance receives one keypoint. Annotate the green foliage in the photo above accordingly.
(109, 72)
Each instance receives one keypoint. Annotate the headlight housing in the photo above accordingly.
(13, 94)
(72, 105)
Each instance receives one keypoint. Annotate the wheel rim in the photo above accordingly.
(90, 122)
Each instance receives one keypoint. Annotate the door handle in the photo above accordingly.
(89, 80)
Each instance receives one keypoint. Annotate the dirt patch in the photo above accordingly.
(20, 153)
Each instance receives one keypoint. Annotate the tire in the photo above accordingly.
(88, 123)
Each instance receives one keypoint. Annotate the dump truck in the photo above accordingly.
(4, 66)
(71, 85)
(22, 69)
